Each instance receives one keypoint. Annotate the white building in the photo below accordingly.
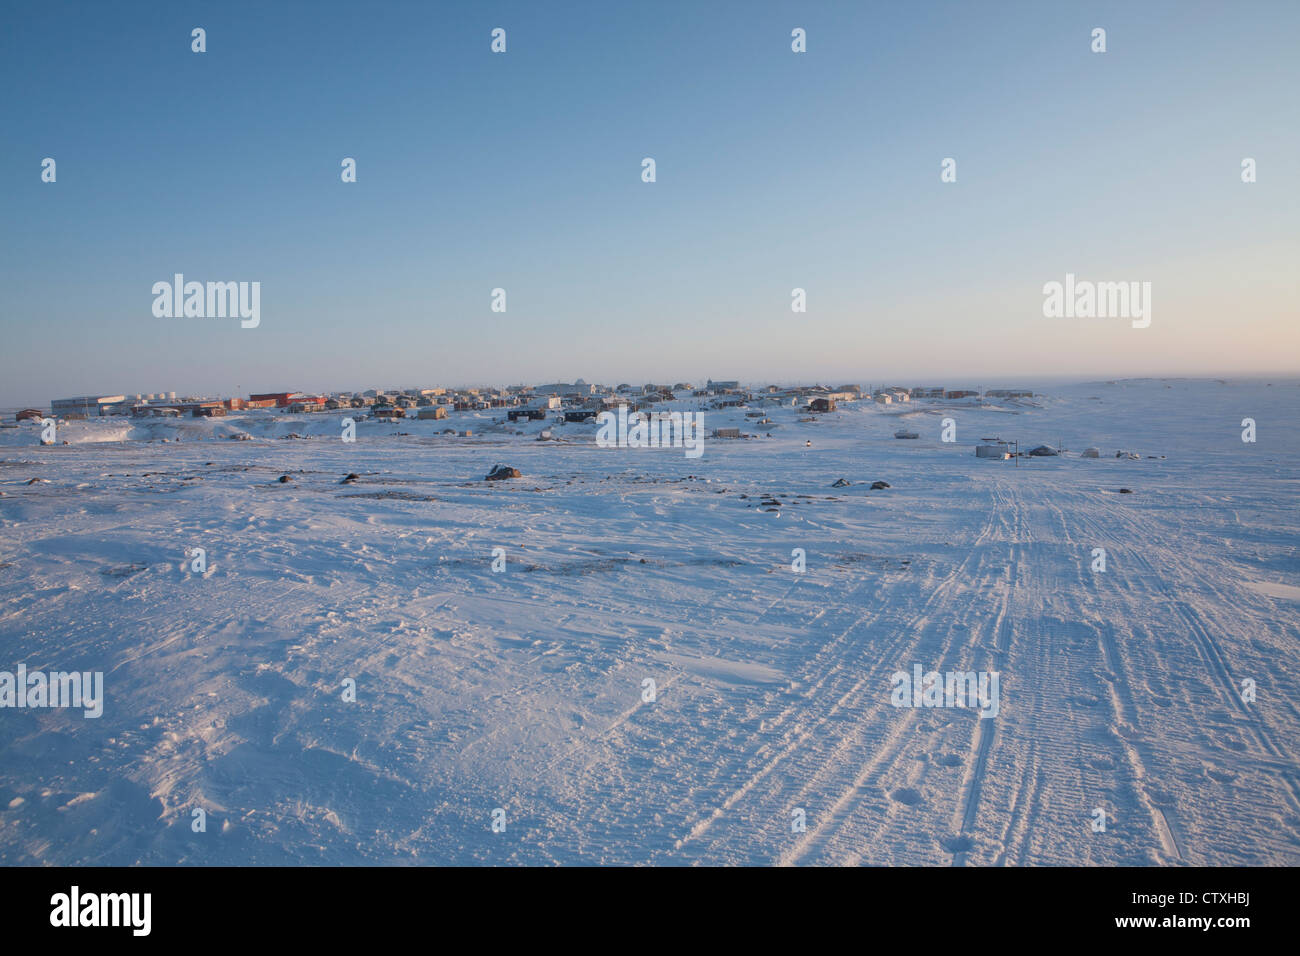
(87, 405)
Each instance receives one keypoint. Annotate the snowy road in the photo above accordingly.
(523, 690)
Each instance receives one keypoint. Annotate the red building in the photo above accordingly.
(279, 399)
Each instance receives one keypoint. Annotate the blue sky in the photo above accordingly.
(775, 170)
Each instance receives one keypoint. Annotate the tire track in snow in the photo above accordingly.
(1124, 721)
(985, 732)
(1023, 811)
(789, 744)
(838, 817)
(1212, 654)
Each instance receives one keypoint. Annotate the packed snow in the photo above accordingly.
(1161, 691)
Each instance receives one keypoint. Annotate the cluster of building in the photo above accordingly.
(576, 401)
(159, 405)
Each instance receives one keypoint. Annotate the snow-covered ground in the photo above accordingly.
(523, 690)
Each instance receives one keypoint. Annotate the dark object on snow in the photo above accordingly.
(1043, 451)
(349, 478)
(1126, 491)
(841, 483)
(501, 472)
(878, 485)
(284, 479)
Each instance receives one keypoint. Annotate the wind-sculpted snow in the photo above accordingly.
(645, 677)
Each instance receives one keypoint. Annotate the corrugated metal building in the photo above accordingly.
(89, 405)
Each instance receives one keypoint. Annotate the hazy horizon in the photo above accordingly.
(881, 381)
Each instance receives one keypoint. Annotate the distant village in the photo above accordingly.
(576, 401)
